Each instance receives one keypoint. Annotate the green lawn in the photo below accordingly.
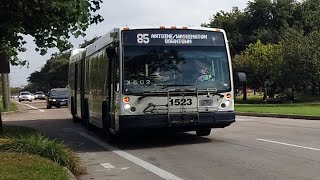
(27, 154)
(294, 109)
(17, 166)
(12, 107)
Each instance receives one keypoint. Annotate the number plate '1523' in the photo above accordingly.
(180, 102)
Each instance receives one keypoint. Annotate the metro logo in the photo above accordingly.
(143, 38)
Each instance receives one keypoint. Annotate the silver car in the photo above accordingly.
(39, 95)
(25, 96)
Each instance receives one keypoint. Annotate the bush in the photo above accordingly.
(37, 144)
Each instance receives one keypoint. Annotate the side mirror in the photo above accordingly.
(242, 77)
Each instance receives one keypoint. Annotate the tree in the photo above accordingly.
(234, 23)
(262, 63)
(54, 74)
(50, 22)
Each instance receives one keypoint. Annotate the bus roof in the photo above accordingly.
(77, 55)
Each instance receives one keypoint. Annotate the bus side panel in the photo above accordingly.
(98, 65)
(71, 88)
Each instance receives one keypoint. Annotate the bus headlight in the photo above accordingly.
(127, 107)
(226, 104)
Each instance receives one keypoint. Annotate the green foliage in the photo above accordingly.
(16, 166)
(310, 109)
(12, 107)
(49, 22)
(276, 42)
(36, 144)
(261, 62)
(54, 74)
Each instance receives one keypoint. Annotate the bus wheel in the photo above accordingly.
(75, 118)
(203, 132)
(106, 123)
(89, 126)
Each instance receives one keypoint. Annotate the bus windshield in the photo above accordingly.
(149, 68)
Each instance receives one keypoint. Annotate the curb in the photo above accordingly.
(71, 176)
(279, 115)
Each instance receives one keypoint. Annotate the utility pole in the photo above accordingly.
(5, 90)
(4, 70)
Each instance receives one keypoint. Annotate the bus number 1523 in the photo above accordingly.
(180, 102)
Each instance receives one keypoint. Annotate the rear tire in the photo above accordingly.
(203, 132)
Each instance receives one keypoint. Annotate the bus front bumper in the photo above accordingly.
(178, 121)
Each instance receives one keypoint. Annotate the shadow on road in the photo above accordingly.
(66, 131)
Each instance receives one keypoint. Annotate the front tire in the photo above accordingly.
(203, 132)
(49, 107)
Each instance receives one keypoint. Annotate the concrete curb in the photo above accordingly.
(71, 176)
(278, 115)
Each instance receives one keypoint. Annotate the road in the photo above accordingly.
(251, 148)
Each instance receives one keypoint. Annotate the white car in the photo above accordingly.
(39, 95)
(25, 96)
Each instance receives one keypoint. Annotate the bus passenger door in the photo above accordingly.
(113, 80)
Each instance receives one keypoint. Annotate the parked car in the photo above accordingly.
(57, 97)
(25, 96)
(39, 95)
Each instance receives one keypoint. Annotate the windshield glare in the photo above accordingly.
(153, 68)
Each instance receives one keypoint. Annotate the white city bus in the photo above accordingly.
(177, 78)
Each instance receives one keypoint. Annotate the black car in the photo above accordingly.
(57, 97)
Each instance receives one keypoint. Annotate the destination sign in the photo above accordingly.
(168, 37)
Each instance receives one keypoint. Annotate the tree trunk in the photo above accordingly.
(5, 90)
(244, 90)
(314, 87)
(254, 91)
(265, 94)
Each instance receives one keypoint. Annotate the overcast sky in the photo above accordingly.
(118, 13)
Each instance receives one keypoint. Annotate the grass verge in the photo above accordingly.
(310, 109)
(16, 166)
(12, 107)
(28, 141)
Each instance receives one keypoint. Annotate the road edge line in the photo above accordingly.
(150, 167)
(287, 144)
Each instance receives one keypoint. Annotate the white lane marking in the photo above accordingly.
(31, 106)
(154, 169)
(124, 168)
(293, 145)
(107, 165)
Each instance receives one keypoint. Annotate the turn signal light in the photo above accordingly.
(126, 99)
(126, 28)
(162, 27)
(228, 96)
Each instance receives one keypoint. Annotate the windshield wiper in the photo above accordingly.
(176, 85)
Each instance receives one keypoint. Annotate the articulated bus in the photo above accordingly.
(177, 78)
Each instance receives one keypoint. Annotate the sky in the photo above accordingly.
(120, 13)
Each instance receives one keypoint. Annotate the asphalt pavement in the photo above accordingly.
(251, 148)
